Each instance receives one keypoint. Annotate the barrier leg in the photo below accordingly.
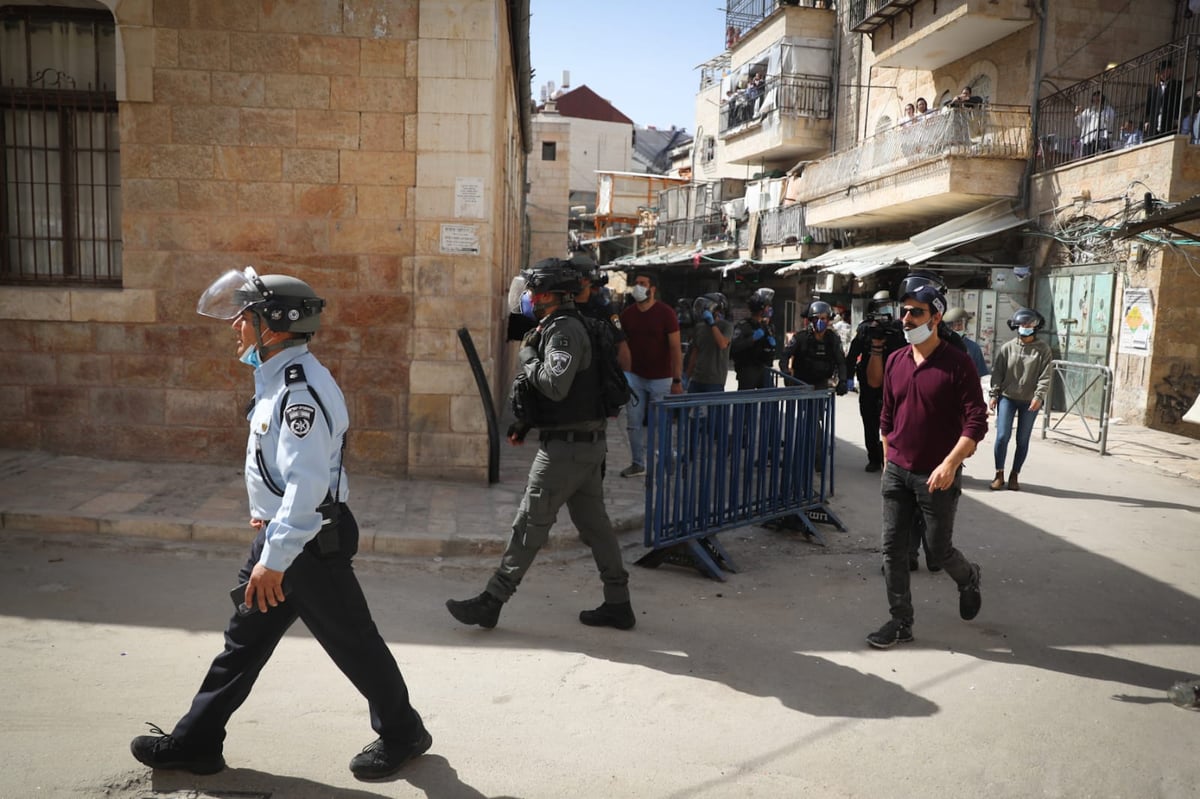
(704, 554)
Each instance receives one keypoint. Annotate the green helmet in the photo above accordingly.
(287, 304)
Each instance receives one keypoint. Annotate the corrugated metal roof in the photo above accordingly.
(868, 259)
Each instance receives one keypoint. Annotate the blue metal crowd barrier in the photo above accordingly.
(724, 460)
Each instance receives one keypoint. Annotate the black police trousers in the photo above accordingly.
(324, 593)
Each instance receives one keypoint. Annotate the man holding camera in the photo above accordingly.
(879, 335)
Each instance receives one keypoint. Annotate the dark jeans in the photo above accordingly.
(870, 405)
(323, 593)
(905, 492)
(1006, 409)
(696, 387)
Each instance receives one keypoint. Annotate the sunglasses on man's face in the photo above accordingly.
(915, 313)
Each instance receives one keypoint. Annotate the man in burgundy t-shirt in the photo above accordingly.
(652, 330)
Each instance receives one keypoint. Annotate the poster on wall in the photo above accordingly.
(1137, 322)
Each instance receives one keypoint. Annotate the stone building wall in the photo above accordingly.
(370, 147)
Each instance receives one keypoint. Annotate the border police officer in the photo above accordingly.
(753, 347)
(557, 387)
(300, 562)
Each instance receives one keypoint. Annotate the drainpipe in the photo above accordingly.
(1035, 109)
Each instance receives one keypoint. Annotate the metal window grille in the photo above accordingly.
(60, 210)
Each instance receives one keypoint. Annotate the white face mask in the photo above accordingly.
(640, 293)
(1026, 331)
(918, 334)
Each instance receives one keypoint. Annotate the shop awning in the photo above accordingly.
(868, 259)
(677, 255)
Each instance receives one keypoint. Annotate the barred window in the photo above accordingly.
(60, 211)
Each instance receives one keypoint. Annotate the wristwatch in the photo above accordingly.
(676, 380)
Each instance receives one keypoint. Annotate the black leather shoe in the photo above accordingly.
(159, 750)
(873, 467)
(610, 614)
(381, 759)
(483, 610)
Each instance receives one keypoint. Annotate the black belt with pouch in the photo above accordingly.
(331, 516)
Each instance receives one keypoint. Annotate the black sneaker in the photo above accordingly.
(969, 600)
(159, 750)
(610, 614)
(890, 634)
(483, 610)
(873, 467)
(381, 759)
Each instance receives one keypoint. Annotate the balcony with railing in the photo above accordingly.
(743, 16)
(943, 164)
(1132, 103)
(927, 34)
(783, 118)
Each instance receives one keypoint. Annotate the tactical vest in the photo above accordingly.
(582, 403)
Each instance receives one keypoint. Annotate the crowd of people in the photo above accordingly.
(920, 399)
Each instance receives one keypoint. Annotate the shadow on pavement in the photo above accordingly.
(432, 774)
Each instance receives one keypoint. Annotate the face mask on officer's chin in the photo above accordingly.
(250, 357)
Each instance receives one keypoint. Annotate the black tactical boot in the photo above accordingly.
(610, 614)
(483, 610)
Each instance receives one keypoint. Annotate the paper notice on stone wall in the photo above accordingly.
(460, 240)
(468, 198)
(1137, 322)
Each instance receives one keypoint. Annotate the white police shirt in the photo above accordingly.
(293, 452)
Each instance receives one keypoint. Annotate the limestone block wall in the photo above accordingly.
(370, 147)
(549, 193)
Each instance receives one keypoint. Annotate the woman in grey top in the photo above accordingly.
(1020, 380)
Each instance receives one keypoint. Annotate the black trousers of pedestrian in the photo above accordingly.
(870, 405)
(324, 593)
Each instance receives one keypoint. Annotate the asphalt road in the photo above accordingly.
(761, 686)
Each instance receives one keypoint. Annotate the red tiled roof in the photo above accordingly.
(583, 103)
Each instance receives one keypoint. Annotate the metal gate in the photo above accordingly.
(725, 460)
(1077, 303)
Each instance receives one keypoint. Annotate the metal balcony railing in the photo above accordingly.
(742, 16)
(993, 131)
(1122, 106)
(866, 16)
(689, 231)
(787, 226)
(786, 95)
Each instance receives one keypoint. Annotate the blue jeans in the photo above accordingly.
(1006, 409)
(637, 411)
(905, 492)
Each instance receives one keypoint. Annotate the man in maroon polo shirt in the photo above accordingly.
(652, 329)
(933, 417)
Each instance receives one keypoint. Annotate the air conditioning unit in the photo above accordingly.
(825, 282)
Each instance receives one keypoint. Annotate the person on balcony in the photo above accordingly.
(1130, 134)
(966, 99)
(910, 115)
(922, 107)
(1096, 124)
(1162, 102)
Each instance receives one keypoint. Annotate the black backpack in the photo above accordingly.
(614, 388)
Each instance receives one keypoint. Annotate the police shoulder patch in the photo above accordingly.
(558, 361)
(299, 419)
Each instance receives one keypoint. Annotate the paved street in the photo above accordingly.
(758, 687)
